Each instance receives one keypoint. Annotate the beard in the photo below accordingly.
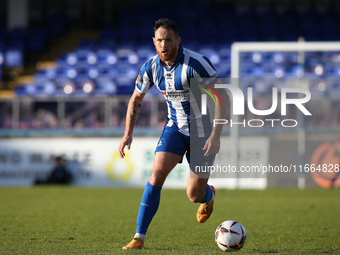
(170, 56)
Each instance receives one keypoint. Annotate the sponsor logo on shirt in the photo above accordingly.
(181, 95)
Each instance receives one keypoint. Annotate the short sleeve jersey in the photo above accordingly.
(174, 84)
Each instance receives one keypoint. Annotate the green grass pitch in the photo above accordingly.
(75, 220)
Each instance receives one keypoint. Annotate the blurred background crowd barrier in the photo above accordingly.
(106, 115)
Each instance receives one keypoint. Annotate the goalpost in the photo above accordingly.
(300, 47)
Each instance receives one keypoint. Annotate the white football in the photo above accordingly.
(230, 235)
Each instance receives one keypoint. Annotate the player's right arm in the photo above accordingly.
(132, 114)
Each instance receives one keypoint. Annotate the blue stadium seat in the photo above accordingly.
(86, 56)
(127, 55)
(106, 56)
(128, 70)
(106, 70)
(14, 58)
(246, 57)
(251, 71)
(86, 71)
(276, 57)
(223, 70)
(37, 89)
(125, 85)
(65, 86)
(105, 86)
(224, 53)
(45, 88)
(68, 59)
(276, 72)
(25, 90)
(84, 87)
(257, 57)
(67, 72)
(268, 69)
(44, 74)
(294, 71)
(211, 54)
(144, 54)
(332, 70)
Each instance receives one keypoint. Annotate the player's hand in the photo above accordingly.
(126, 141)
(212, 146)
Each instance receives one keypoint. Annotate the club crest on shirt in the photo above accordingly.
(161, 142)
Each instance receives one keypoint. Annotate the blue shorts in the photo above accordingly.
(175, 142)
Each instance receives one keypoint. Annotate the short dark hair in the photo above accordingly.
(168, 24)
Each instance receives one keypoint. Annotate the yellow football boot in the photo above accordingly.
(136, 243)
(205, 209)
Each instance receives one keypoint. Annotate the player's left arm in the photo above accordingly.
(212, 145)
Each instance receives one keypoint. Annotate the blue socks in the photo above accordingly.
(148, 207)
(209, 195)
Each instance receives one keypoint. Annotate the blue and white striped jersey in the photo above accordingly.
(174, 83)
